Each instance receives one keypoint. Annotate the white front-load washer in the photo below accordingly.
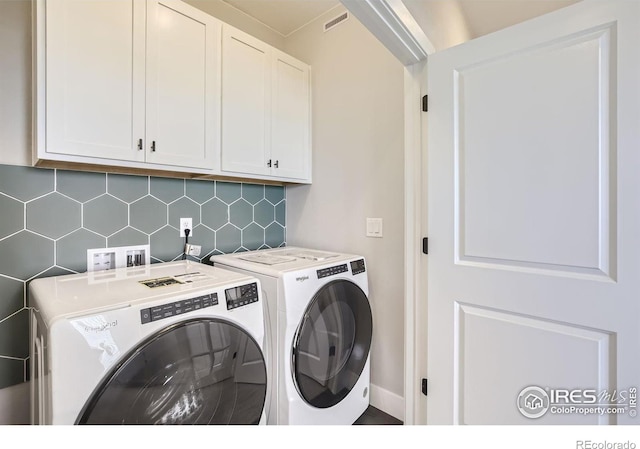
(170, 343)
(320, 327)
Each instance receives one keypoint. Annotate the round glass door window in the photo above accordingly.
(204, 371)
(332, 343)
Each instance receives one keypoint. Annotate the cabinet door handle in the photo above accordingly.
(275, 164)
(153, 146)
(269, 163)
(139, 144)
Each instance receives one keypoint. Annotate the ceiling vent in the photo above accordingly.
(336, 21)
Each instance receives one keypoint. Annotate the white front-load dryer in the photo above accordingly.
(320, 327)
(170, 343)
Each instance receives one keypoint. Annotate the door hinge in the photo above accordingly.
(425, 245)
(424, 386)
(425, 103)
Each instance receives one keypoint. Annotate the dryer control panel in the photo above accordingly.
(241, 296)
(324, 272)
(177, 308)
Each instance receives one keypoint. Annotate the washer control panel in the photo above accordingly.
(337, 269)
(241, 296)
(178, 308)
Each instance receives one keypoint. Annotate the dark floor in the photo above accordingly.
(374, 417)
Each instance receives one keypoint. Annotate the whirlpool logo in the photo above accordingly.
(302, 278)
(101, 328)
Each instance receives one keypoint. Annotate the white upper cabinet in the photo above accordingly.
(128, 83)
(162, 85)
(94, 78)
(265, 110)
(183, 81)
(246, 103)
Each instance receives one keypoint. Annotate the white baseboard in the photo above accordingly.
(15, 404)
(387, 401)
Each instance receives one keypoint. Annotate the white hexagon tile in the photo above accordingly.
(49, 218)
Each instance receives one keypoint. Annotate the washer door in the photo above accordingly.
(204, 371)
(332, 343)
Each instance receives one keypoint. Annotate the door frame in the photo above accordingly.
(393, 25)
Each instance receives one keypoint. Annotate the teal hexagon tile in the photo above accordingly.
(274, 235)
(200, 191)
(252, 192)
(215, 214)
(11, 371)
(263, 213)
(127, 187)
(241, 214)
(148, 214)
(127, 237)
(274, 194)
(11, 216)
(184, 208)
(281, 213)
(166, 244)
(228, 191)
(204, 237)
(55, 271)
(228, 239)
(14, 335)
(25, 254)
(25, 183)
(264, 247)
(81, 186)
(53, 215)
(166, 189)
(71, 250)
(253, 236)
(11, 296)
(105, 215)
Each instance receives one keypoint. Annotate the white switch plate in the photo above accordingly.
(374, 227)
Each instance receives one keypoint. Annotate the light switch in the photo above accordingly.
(374, 227)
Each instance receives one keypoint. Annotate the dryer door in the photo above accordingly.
(203, 371)
(332, 343)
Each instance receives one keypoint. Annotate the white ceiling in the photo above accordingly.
(483, 16)
(284, 16)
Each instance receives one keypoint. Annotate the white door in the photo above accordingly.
(534, 221)
(95, 56)
(246, 103)
(290, 118)
(183, 85)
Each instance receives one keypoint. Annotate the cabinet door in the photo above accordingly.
(290, 112)
(95, 78)
(246, 102)
(183, 85)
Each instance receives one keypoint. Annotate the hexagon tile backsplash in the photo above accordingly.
(49, 218)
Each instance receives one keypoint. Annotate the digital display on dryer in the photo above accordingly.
(241, 296)
(357, 266)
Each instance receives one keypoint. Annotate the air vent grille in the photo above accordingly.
(334, 22)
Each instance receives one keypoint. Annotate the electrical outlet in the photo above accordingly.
(185, 223)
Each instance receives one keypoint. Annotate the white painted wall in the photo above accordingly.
(358, 126)
(443, 21)
(15, 82)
